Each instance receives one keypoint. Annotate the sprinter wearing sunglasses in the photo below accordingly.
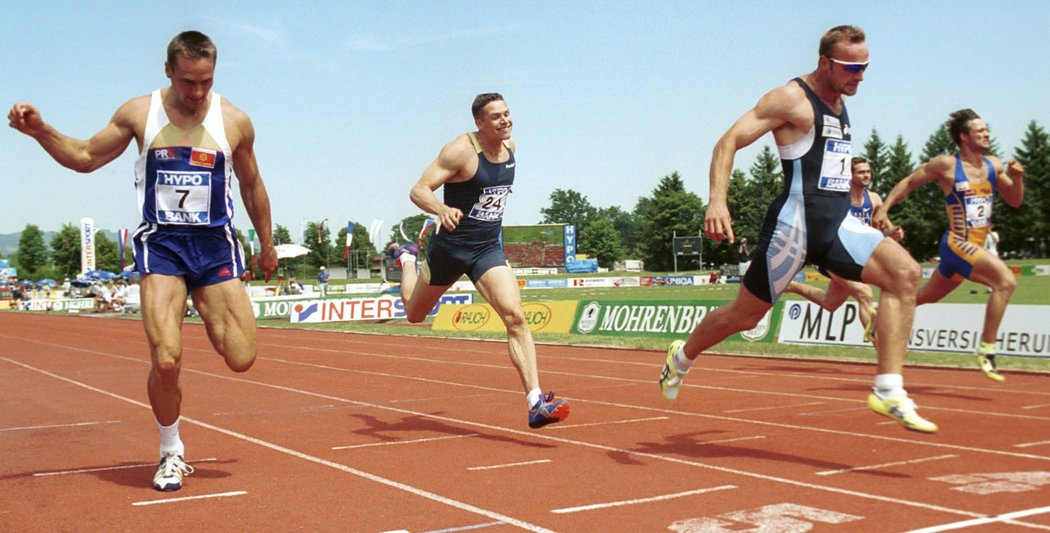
(809, 222)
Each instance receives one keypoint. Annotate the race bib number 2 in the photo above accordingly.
(491, 203)
(183, 197)
(835, 173)
(978, 210)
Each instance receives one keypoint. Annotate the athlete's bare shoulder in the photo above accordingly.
(788, 109)
(237, 123)
(131, 115)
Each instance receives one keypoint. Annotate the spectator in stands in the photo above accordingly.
(294, 287)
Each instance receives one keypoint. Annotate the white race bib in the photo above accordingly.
(491, 203)
(835, 172)
(978, 211)
(183, 197)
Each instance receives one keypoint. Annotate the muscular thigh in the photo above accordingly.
(163, 305)
(499, 288)
(225, 307)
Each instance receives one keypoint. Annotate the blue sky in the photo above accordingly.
(351, 100)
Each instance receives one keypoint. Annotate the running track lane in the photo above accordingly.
(349, 432)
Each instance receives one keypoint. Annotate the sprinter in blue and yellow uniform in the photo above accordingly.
(969, 180)
(192, 143)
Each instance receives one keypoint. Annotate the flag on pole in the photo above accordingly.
(373, 232)
(426, 226)
(122, 241)
(349, 239)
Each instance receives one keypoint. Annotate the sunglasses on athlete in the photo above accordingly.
(850, 66)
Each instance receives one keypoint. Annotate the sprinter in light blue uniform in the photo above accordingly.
(191, 141)
(809, 222)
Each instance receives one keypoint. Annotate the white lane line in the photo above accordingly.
(391, 443)
(507, 465)
(1005, 518)
(639, 500)
(768, 407)
(464, 528)
(549, 437)
(187, 498)
(611, 422)
(76, 424)
(306, 457)
(884, 465)
(1040, 406)
(107, 468)
(736, 439)
(1030, 444)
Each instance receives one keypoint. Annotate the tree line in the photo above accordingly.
(611, 234)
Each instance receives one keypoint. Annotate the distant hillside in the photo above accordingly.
(9, 241)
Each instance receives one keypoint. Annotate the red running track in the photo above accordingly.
(349, 432)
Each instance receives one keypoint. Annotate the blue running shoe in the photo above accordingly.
(548, 411)
(397, 250)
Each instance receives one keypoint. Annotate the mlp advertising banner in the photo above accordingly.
(954, 328)
(661, 319)
(547, 317)
(350, 309)
(87, 244)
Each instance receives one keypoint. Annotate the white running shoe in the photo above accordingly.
(170, 472)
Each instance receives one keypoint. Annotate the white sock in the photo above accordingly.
(533, 397)
(407, 258)
(889, 385)
(682, 363)
(169, 440)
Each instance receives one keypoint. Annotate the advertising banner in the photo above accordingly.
(87, 245)
(937, 328)
(660, 318)
(352, 309)
(547, 317)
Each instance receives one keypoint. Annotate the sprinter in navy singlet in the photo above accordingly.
(863, 203)
(477, 172)
(191, 141)
(809, 222)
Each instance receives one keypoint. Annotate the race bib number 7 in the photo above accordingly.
(491, 203)
(183, 197)
(835, 173)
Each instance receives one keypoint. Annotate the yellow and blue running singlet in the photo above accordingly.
(969, 206)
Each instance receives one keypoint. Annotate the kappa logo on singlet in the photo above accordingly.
(510, 165)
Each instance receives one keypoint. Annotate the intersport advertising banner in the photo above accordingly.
(351, 309)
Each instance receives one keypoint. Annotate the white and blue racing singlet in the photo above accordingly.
(183, 178)
(863, 212)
